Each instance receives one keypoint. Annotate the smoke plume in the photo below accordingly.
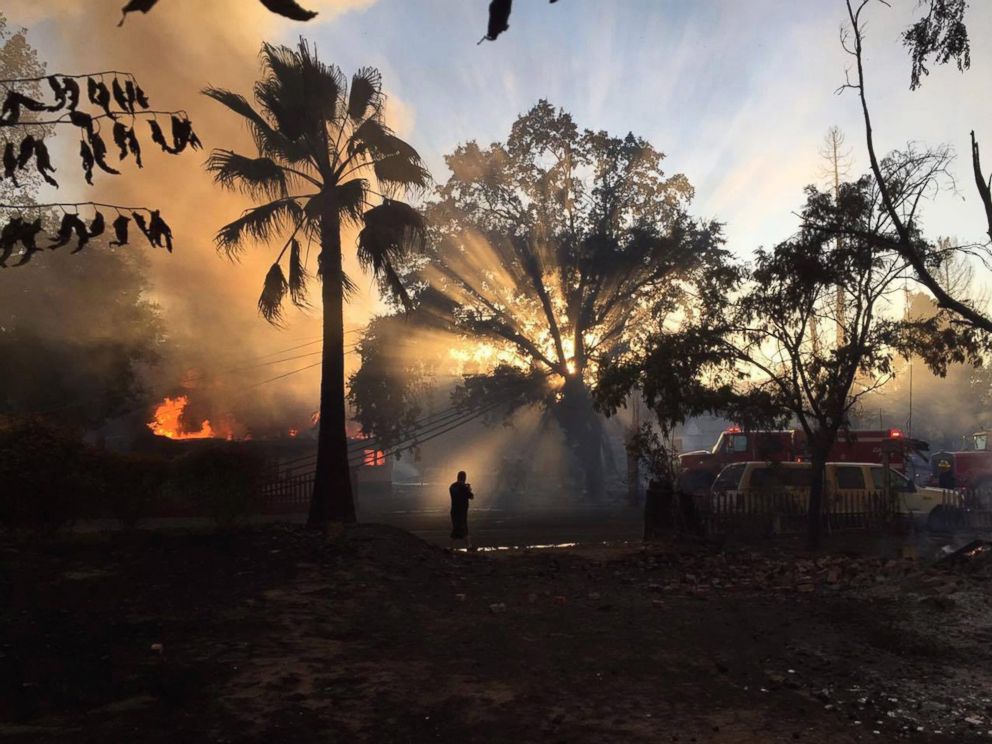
(208, 303)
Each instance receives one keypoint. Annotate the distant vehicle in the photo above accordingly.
(699, 469)
(844, 484)
(969, 470)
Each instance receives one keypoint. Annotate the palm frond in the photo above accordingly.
(298, 275)
(379, 141)
(268, 140)
(348, 286)
(238, 104)
(398, 171)
(258, 177)
(365, 93)
(259, 223)
(273, 291)
(300, 92)
(351, 198)
(392, 231)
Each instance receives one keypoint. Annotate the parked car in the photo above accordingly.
(847, 487)
(698, 469)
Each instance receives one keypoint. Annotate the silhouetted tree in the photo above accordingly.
(940, 34)
(75, 336)
(906, 178)
(322, 146)
(69, 348)
(554, 248)
(766, 352)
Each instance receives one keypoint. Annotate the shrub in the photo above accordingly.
(223, 481)
(45, 478)
(131, 485)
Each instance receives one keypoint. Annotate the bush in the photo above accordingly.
(131, 486)
(223, 481)
(45, 474)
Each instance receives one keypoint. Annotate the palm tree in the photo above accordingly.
(323, 155)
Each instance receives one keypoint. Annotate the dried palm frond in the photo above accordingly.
(273, 292)
(298, 275)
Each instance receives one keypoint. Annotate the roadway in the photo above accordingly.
(425, 514)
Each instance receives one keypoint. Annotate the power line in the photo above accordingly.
(425, 422)
(282, 376)
(421, 436)
(445, 414)
(433, 433)
(307, 341)
(274, 361)
(347, 349)
(442, 423)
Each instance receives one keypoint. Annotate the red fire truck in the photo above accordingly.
(699, 469)
(969, 469)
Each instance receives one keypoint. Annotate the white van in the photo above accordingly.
(847, 487)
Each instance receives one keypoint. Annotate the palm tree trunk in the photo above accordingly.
(333, 499)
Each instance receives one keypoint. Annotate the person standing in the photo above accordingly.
(461, 494)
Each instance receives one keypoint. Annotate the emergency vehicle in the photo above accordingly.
(699, 469)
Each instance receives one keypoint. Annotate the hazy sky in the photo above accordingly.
(738, 93)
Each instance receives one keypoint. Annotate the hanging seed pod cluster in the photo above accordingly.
(286, 8)
(120, 106)
(112, 115)
(499, 18)
(22, 235)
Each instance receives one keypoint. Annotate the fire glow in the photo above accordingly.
(167, 421)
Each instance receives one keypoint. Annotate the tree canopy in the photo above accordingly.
(548, 254)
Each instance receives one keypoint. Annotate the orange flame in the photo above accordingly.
(373, 458)
(166, 423)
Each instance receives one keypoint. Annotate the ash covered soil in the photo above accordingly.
(278, 635)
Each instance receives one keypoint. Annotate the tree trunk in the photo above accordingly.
(815, 512)
(583, 433)
(820, 444)
(333, 499)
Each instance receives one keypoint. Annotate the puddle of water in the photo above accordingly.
(499, 548)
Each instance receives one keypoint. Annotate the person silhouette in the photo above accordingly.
(461, 494)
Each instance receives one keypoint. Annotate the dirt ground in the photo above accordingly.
(272, 634)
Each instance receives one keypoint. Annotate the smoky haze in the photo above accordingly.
(208, 303)
(943, 411)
